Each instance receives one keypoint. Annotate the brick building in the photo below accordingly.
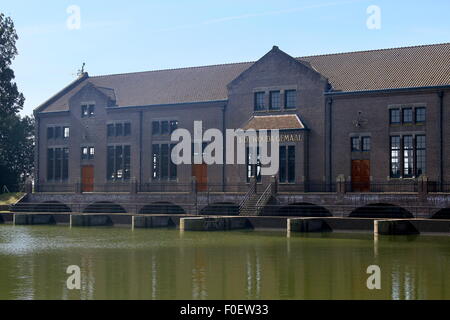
(370, 117)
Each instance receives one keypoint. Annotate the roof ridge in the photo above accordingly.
(171, 69)
(375, 50)
(245, 62)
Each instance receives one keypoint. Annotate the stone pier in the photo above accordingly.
(214, 224)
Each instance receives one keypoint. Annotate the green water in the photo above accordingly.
(118, 263)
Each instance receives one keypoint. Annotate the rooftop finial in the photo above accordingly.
(81, 71)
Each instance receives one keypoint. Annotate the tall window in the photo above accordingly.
(259, 100)
(420, 155)
(290, 99)
(66, 132)
(118, 163)
(57, 164)
(394, 116)
(287, 164)
(162, 166)
(421, 114)
(407, 115)
(395, 157)
(275, 100)
(408, 156)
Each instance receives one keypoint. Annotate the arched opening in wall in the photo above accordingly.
(443, 214)
(221, 209)
(162, 208)
(381, 210)
(104, 207)
(51, 206)
(304, 210)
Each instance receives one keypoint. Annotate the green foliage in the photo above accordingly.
(16, 133)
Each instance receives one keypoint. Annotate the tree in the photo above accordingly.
(16, 133)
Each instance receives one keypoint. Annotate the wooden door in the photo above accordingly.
(87, 179)
(200, 172)
(361, 175)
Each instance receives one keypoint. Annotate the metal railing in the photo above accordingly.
(412, 186)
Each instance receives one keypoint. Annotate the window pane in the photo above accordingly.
(50, 133)
(164, 161)
(155, 161)
(65, 165)
(155, 128)
(84, 111)
(84, 153)
(50, 164)
(420, 155)
(119, 163)
(275, 101)
(282, 171)
(110, 164)
(66, 132)
(173, 126)
(394, 115)
(127, 162)
(58, 164)
(259, 101)
(127, 129)
(57, 132)
(420, 115)
(408, 165)
(173, 166)
(407, 115)
(164, 127)
(91, 110)
(91, 152)
(291, 164)
(110, 130)
(119, 129)
(355, 144)
(366, 144)
(291, 99)
(395, 156)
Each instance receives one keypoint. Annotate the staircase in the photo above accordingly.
(254, 203)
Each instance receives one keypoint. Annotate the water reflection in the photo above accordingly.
(162, 264)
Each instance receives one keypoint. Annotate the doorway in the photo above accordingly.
(200, 172)
(360, 175)
(87, 179)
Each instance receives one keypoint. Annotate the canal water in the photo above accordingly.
(118, 263)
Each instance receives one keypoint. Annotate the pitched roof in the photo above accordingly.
(419, 66)
(270, 122)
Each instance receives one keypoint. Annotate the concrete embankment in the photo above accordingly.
(214, 224)
(227, 223)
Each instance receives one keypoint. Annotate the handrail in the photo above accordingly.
(248, 195)
(264, 198)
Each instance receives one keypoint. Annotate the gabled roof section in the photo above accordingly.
(271, 122)
(419, 66)
(274, 52)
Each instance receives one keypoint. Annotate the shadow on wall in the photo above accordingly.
(221, 208)
(381, 210)
(162, 208)
(443, 214)
(303, 210)
(104, 207)
(51, 206)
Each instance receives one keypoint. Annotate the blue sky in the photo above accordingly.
(119, 36)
